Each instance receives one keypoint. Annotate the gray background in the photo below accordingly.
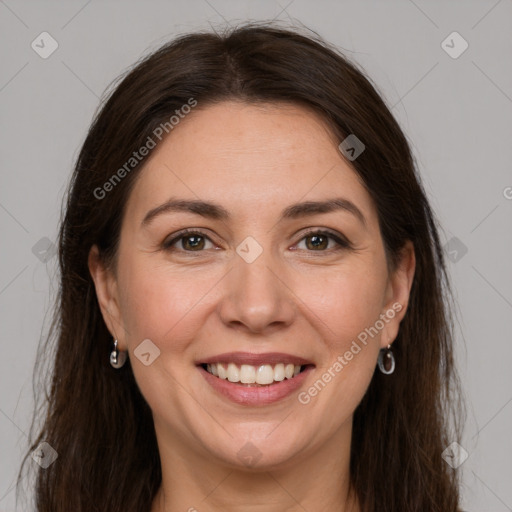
(456, 112)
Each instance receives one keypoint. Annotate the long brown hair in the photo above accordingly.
(96, 418)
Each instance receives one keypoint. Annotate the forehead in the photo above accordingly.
(246, 157)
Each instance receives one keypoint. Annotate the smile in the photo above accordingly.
(262, 375)
(255, 379)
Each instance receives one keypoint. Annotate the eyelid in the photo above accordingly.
(341, 240)
(176, 237)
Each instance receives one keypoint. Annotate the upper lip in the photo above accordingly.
(239, 358)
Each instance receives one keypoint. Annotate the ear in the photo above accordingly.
(397, 293)
(107, 292)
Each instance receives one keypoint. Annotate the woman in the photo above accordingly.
(251, 313)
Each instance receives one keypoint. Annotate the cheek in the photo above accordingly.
(156, 303)
(348, 304)
(163, 307)
(167, 305)
(348, 309)
(347, 301)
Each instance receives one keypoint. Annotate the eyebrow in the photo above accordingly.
(214, 211)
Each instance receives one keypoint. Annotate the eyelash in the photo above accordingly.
(343, 244)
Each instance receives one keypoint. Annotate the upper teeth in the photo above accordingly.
(248, 374)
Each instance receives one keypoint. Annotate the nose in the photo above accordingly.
(257, 298)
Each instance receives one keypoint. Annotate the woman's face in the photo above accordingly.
(251, 286)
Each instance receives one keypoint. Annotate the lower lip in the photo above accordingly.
(257, 395)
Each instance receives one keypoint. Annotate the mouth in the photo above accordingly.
(254, 376)
(255, 379)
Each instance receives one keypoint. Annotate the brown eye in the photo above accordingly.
(319, 241)
(191, 241)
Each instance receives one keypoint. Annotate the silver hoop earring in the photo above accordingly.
(117, 358)
(386, 360)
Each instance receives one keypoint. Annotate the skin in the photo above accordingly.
(294, 298)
